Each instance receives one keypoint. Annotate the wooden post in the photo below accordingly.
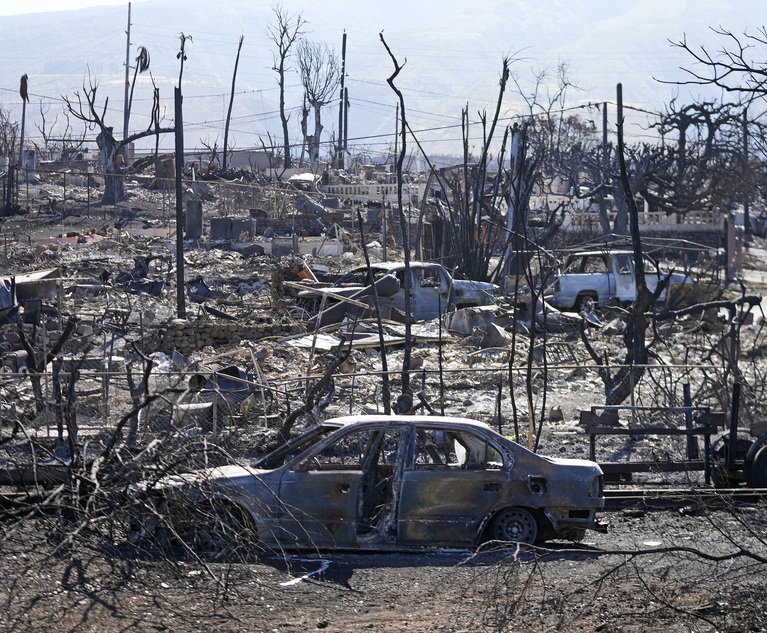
(692, 444)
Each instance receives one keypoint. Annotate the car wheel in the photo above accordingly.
(216, 530)
(514, 524)
(585, 303)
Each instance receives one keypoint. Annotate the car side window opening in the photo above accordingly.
(624, 264)
(430, 278)
(346, 453)
(459, 450)
(650, 267)
(431, 449)
(594, 264)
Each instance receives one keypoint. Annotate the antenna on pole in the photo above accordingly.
(126, 104)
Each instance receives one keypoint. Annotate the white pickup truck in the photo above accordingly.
(595, 278)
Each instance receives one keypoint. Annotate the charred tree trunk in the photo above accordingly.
(403, 221)
(314, 146)
(37, 362)
(109, 151)
(619, 386)
(287, 162)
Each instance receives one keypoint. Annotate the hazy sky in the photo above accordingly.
(16, 7)
(453, 51)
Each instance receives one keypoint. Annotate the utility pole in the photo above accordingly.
(513, 244)
(179, 145)
(126, 106)
(346, 120)
(24, 93)
(341, 107)
(604, 174)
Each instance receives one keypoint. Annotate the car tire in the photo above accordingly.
(516, 525)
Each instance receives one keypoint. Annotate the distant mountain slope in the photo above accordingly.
(453, 52)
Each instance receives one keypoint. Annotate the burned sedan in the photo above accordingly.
(382, 482)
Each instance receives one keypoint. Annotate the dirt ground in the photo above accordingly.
(635, 578)
(693, 569)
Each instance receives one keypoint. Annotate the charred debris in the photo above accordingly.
(297, 299)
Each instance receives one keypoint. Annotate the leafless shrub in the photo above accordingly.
(691, 588)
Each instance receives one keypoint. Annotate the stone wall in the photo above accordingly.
(186, 336)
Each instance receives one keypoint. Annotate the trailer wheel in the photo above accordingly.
(757, 474)
(748, 464)
(720, 450)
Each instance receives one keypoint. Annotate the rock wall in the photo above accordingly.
(186, 336)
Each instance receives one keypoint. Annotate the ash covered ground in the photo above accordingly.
(694, 569)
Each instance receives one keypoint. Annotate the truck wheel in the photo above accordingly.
(585, 303)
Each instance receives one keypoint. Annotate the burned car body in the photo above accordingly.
(433, 291)
(398, 482)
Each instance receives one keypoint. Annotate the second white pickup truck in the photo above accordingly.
(594, 278)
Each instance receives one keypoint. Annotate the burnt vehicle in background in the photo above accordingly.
(433, 291)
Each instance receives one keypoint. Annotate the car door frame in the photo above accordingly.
(424, 517)
(318, 508)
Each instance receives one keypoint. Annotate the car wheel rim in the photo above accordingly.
(516, 525)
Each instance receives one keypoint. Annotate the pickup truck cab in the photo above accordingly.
(595, 278)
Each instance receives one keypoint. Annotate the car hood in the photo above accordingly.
(231, 473)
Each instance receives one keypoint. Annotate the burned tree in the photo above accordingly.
(704, 168)
(618, 386)
(142, 65)
(733, 69)
(65, 142)
(404, 224)
(729, 68)
(320, 74)
(84, 107)
(473, 198)
(9, 133)
(284, 34)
